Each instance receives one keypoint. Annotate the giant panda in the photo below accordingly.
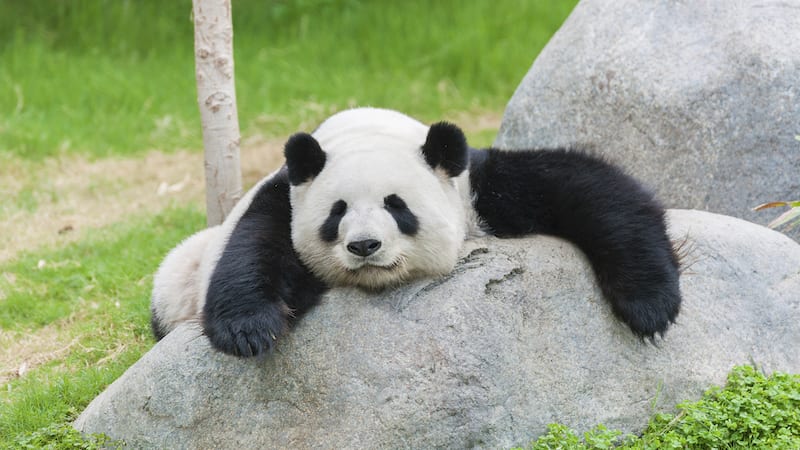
(373, 198)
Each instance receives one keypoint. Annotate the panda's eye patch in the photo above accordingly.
(393, 201)
(407, 222)
(339, 208)
(329, 230)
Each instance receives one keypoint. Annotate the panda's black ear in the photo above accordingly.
(304, 158)
(446, 148)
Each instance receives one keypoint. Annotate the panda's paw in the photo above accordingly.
(250, 334)
(650, 316)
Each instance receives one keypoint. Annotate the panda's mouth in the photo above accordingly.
(367, 265)
(375, 277)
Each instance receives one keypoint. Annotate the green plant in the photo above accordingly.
(62, 437)
(751, 411)
(560, 437)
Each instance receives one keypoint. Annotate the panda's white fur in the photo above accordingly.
(177, 282)
(372, 153)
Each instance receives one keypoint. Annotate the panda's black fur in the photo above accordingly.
(607, 214)
(259, 285)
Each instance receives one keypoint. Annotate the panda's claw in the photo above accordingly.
(242, 346)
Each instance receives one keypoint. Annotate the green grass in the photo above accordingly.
(62, 436)
(117, 77)
(95, 293)
(110, 267)
(752, 411)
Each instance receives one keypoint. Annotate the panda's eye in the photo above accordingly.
(329, 230)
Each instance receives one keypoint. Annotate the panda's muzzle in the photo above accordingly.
(364, 247)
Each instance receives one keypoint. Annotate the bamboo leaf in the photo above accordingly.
(785, 218)
(764, 206)
(792, 204)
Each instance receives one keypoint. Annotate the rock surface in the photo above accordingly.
(701, 99)
(516, 337)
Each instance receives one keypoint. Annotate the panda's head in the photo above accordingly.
(374, 198)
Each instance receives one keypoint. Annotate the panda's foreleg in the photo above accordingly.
(617, 223)
(259, 286)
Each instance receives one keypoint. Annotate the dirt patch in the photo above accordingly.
(58, 199)
(22, 353)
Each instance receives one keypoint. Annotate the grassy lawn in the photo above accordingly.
(106, 77)
(101, 158)
(74, 318)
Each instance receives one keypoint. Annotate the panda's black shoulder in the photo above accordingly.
(259, 277)
(262, 229)
(272, 194)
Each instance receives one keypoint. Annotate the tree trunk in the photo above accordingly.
(216, 96)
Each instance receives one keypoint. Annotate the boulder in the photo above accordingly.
(516, 337)
(699, 99)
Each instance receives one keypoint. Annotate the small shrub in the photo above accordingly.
(62, 436)
(560, 437)
(751, 411)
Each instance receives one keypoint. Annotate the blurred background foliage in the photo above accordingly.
(104, 77)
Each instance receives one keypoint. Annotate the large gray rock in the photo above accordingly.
(516, 337)
(699, 98)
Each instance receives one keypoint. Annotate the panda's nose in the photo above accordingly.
(364, 248)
